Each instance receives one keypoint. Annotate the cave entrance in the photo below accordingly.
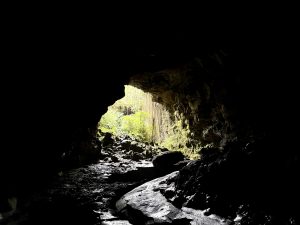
(138, 117)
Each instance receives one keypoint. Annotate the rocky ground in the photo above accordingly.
(151, 203)
(135, 183)
(246, 182)
(87, 195)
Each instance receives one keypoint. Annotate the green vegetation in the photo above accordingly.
(137, 126)
(137, 116)
(128, 116)
(180, 139)
(134, 125)
(111, 121)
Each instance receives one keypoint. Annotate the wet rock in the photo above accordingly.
(116, 222)
(107, 140)
(125, 144)
(181, 164)
(147, 205)
(140, 174)
(148, 153)
(82, 195)
(136, 148)
(163, 149)
(114, 158)
(136, 156)
(111, 158)
(235, 182)
(167, 160)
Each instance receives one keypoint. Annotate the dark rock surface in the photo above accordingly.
(247, 183)
(167, 159)
(147, 204)
(84, 195)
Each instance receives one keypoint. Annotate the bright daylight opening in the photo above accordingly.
(137, 117)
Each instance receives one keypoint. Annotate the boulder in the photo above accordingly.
(107, 140)
(136, 147)
(136, 156)
(181, 164)
(147, 205)
(125, 144)
(167, 159)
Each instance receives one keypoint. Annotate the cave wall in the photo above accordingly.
(221, 98)
(245, 116)
(196, 94)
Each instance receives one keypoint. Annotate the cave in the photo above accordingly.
(239, 101)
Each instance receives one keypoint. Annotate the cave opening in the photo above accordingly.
(233, 87)
(139, 117)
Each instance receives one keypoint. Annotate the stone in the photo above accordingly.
(116, 222)
(107, 140)
(136, 148)
(181, 164)
(114, 158)
(147, 205)
(167, 159)
(136, 156)
(126, 144)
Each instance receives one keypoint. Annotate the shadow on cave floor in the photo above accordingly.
(87, 195)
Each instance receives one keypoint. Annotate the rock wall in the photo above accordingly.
(244, 118)
(210, 97)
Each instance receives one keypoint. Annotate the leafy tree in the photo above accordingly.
(111, 121)
(136, 125)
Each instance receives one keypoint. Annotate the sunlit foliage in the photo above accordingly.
(138, 116)
(111, 121)
(137, 125)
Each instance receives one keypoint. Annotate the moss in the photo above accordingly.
(180, 139)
